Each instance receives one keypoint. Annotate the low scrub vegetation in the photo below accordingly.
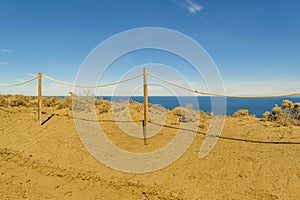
(288, 114)
(241, 113)
(187, 114)
(17, 100)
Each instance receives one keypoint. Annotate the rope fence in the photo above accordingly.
(18, 84)
(93, 86)
(40, 76)
(221, 95)
(144, 74)
(155, 76)
(171, 83)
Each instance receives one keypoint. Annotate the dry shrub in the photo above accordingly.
(296, 110)
(51, 101)
(76, 102)
(3, 101)
(287, 104)
(267, 115)
(138, 107)
(17, 100)
(296, 106)
(102, 106)
(204, 114)
(120, 106)
(157, 114)
(155, 109)
(186, 114)
(276, 112)
(177, 111)
(277, 109)
(290, 115)
(20, 100)
(82, 103)
(241, 113)
(121, 110)
(65, 103)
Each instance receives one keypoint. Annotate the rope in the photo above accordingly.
(171, 83)
(157, 77)
(229, 138)
(96, 86)
(223, 95)
(22, 83)
(249, 97)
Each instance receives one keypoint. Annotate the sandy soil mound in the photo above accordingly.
(253, 159)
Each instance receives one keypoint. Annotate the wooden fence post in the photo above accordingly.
(40, 98)
(146, 117)
(144, 132)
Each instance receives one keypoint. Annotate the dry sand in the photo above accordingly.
(50, 162)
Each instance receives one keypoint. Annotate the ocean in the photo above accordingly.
(256, 106)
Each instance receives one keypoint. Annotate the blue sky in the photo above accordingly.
(255, 44)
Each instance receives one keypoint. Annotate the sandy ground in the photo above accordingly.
(50, 162)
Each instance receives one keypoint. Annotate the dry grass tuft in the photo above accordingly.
(187, 114)
(102, 106)
(277, 110)
(177, 111)
(266, 115)
(241, 113)
(287, 104)
(65, 103)
(3, 101)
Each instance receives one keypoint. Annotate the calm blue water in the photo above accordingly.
(255, 106)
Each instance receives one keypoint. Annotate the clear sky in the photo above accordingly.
(254, 43)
